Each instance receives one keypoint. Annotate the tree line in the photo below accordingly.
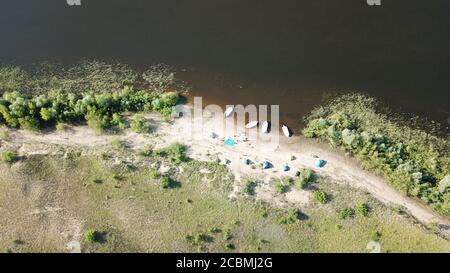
(413, 160)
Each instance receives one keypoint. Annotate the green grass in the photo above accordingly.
(4, 134)
(320, 197)
(139, 124)
(362, 209)
(8, 157)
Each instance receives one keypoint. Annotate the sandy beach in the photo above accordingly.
(297, 152)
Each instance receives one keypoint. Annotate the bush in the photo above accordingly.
(305, 177)
(292, 217)
(175, 153)
(168, 183)
(320, 197)
(227, 235)
(413, 160)
(280, 187)
(154, 174)
(229, 246)
(362, 209)
(8, 157)
(346, 213)
(101, 107)
(375, 236)
(140, 125)
(198, 238)
(91, 236)
(264, 215)
(249, 187)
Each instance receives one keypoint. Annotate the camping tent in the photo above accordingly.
(320, 163)
(230, 142)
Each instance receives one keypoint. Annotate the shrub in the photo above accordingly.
(292, 217)
(362, 209)
(8, 157)
(264, 214)
(168, 183)
(409, 153)
(229, 246)
(305, 177)
(175, 153)
(227, 235)
(198, 238)
(164, 183)
(249, 187)
(140, 125)
(29, 123)
(102, 107)
(214, 230)
(116, 177)
(91, 236)
(280, 187)
(48, 114)
(320, 197)
(346, 213)
(375, 236)
(154, 174)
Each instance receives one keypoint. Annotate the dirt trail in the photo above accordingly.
(203, 147)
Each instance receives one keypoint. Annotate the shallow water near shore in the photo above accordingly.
(291, 53)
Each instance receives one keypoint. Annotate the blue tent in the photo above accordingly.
(247, 161)
(266, 164)
(320, 163)
(285, 167)
(230, 142)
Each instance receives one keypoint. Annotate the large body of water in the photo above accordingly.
(287, 52)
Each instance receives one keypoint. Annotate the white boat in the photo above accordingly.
(229, 111)
(251, 124)
(286, 131)
(265, 127)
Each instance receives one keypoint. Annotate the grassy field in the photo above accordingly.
(48, 201)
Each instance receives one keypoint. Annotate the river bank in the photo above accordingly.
(202, 147)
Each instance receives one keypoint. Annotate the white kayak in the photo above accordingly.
(265, 127)
(229, 111)
(286, 131)
(251, 124)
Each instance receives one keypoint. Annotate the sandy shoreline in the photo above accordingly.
(339, 167)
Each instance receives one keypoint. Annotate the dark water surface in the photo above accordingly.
(254, 51)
